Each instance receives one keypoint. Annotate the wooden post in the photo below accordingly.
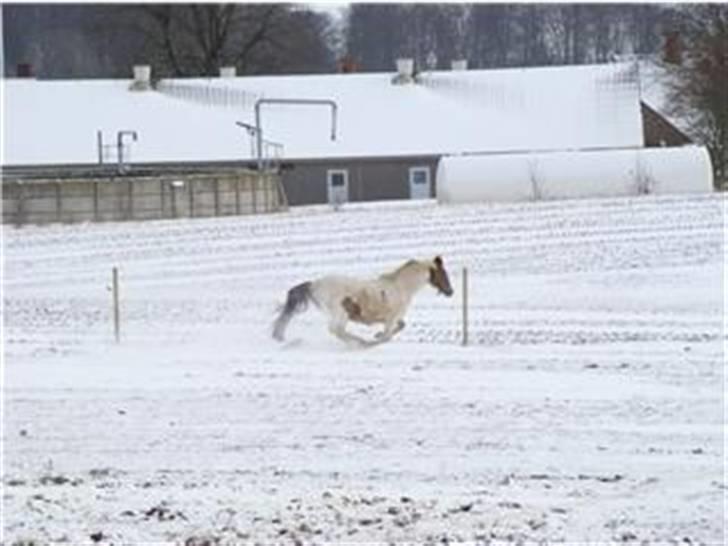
(465, 306)
(115, 292)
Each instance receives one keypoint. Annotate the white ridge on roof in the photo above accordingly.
(533, 109)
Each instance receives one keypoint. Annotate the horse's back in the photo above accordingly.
(341, 283)
(331, 290)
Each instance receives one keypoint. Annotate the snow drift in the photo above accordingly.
(573, 174)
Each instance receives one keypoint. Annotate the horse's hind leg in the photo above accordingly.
(338, 328)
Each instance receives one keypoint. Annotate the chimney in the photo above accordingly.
(405, 71)
(142, 78)
(459, 65)
(24, 70)
(228, 72)
(347, 65)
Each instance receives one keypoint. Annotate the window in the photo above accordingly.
(338, 179)
(420, 175)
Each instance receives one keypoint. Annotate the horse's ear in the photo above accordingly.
(438, 261)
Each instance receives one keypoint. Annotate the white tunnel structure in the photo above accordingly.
(573, 174)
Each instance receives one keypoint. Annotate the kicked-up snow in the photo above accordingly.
(588, 406)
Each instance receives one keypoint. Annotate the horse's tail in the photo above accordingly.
(296, 302)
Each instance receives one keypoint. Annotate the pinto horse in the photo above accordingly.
(384, 299)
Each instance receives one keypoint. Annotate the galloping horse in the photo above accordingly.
(384, 299)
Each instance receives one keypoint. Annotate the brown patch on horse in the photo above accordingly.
(352, 308)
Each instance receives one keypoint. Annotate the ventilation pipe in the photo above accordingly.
(142, 78)
(228, 72)
(303, 102)
(405, 71)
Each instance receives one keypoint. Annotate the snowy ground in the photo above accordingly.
(588, 407)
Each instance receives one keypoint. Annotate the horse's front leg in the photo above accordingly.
(391, 329)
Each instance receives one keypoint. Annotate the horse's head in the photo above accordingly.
(439, 278)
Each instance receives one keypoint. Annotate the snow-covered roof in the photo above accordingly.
(656, 78)
(552, 108)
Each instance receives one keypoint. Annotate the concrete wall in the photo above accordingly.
(369, 179)
(41, 201)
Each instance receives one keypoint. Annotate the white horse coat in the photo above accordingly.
(384, 299)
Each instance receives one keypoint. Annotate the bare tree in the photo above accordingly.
(373, 36)
(499, 35)
(196, 39)
(699, 90)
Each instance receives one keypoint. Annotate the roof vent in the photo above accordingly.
(405, 71)
(459, 65)
(227, 72)
(142, 78)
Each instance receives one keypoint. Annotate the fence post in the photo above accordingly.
(115, 291)
(465, 306)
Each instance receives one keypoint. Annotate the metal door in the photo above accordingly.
(338, 186)
(419, 182)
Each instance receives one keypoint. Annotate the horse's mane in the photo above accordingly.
(394, 274)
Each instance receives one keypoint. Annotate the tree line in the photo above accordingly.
(104, 40)
(501, 35)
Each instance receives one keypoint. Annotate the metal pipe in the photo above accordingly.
(304, 102)
(100, 146)
(252, 131)
(120, 146)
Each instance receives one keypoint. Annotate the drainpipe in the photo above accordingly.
(304, 102)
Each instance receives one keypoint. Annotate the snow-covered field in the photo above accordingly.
(588, 406)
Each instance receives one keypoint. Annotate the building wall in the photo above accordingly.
(369, 179)
(42, 201)
(658, 131)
